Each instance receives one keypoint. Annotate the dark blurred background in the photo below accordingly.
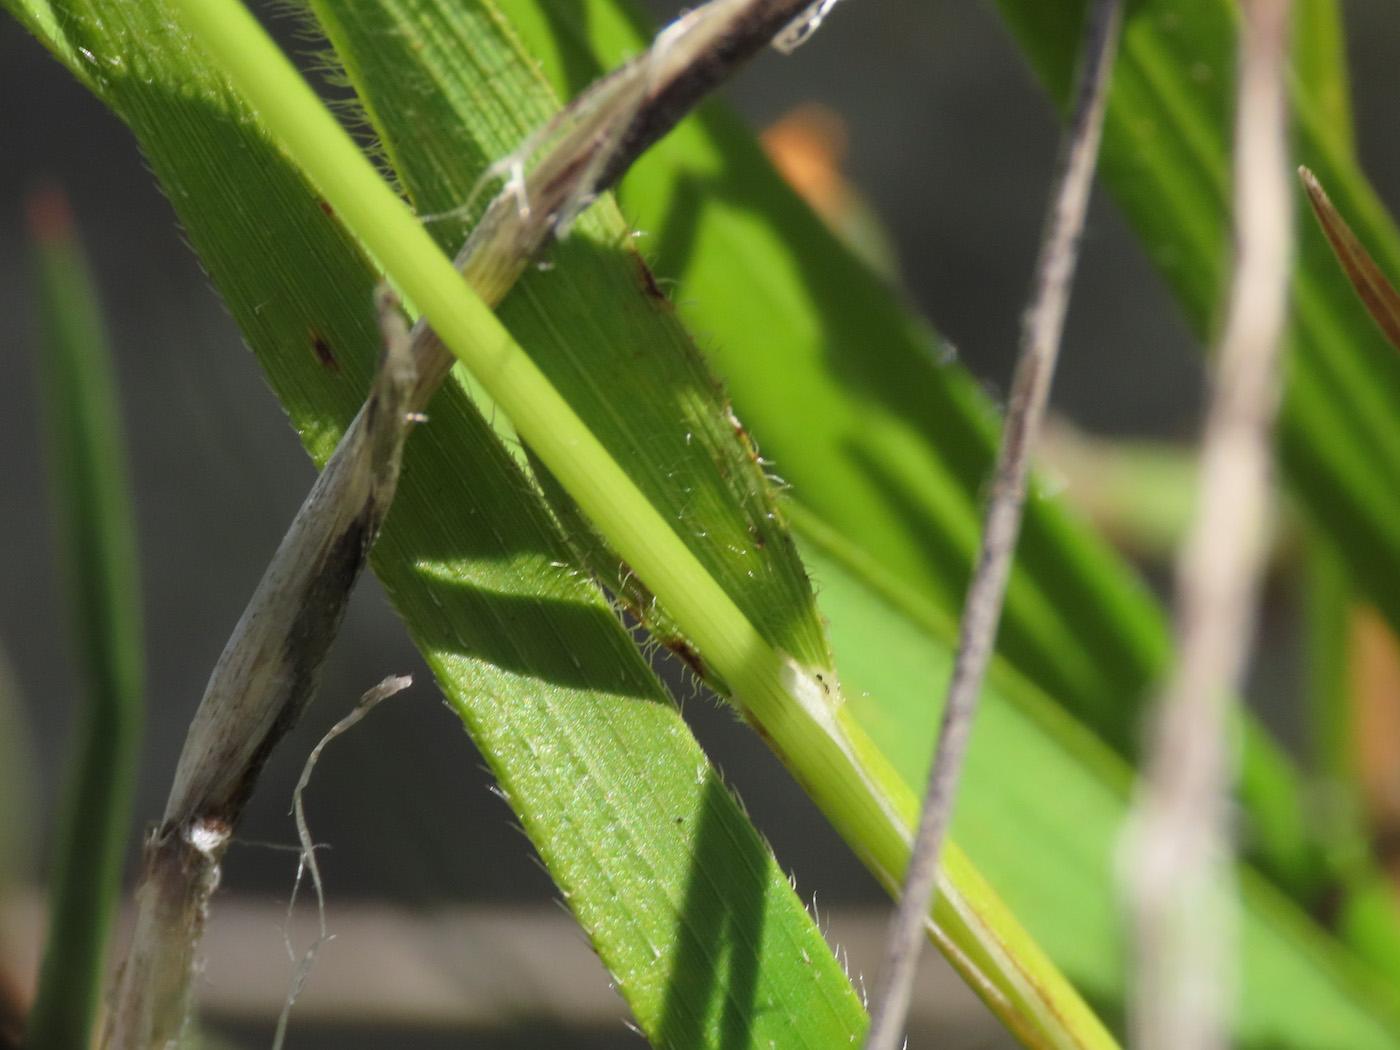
(949, 139)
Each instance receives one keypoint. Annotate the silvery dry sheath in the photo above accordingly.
(263, 681)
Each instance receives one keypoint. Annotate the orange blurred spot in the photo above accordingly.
(807, 146)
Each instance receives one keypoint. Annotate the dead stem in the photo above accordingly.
(266, 676)
(1042, 326)
(1179, 860)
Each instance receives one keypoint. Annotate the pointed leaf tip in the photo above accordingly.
(1377, 294)
(49, 215)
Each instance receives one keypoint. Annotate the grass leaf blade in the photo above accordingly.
(98, 550)
(674, 887)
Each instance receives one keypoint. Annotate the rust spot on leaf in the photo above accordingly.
(648, 279)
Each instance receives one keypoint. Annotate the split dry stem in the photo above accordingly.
(266, 676)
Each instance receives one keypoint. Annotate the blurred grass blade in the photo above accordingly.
(1327, 615)
(1352, 663)
(1320, 62)
(98, 555)
(706, 939)
(1165, 159)
(1042, 793)
(1377, 294)
(18, 805)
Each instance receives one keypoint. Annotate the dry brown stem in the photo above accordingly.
(1042, 327)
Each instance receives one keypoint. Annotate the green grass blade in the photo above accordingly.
(98, 553)
(448, 51)
(433, 77)
(706, 939)
(876, 429)
(1320, 64)
(722, 224)
(1340, 631)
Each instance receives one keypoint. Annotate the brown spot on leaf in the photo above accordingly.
(323, 352)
